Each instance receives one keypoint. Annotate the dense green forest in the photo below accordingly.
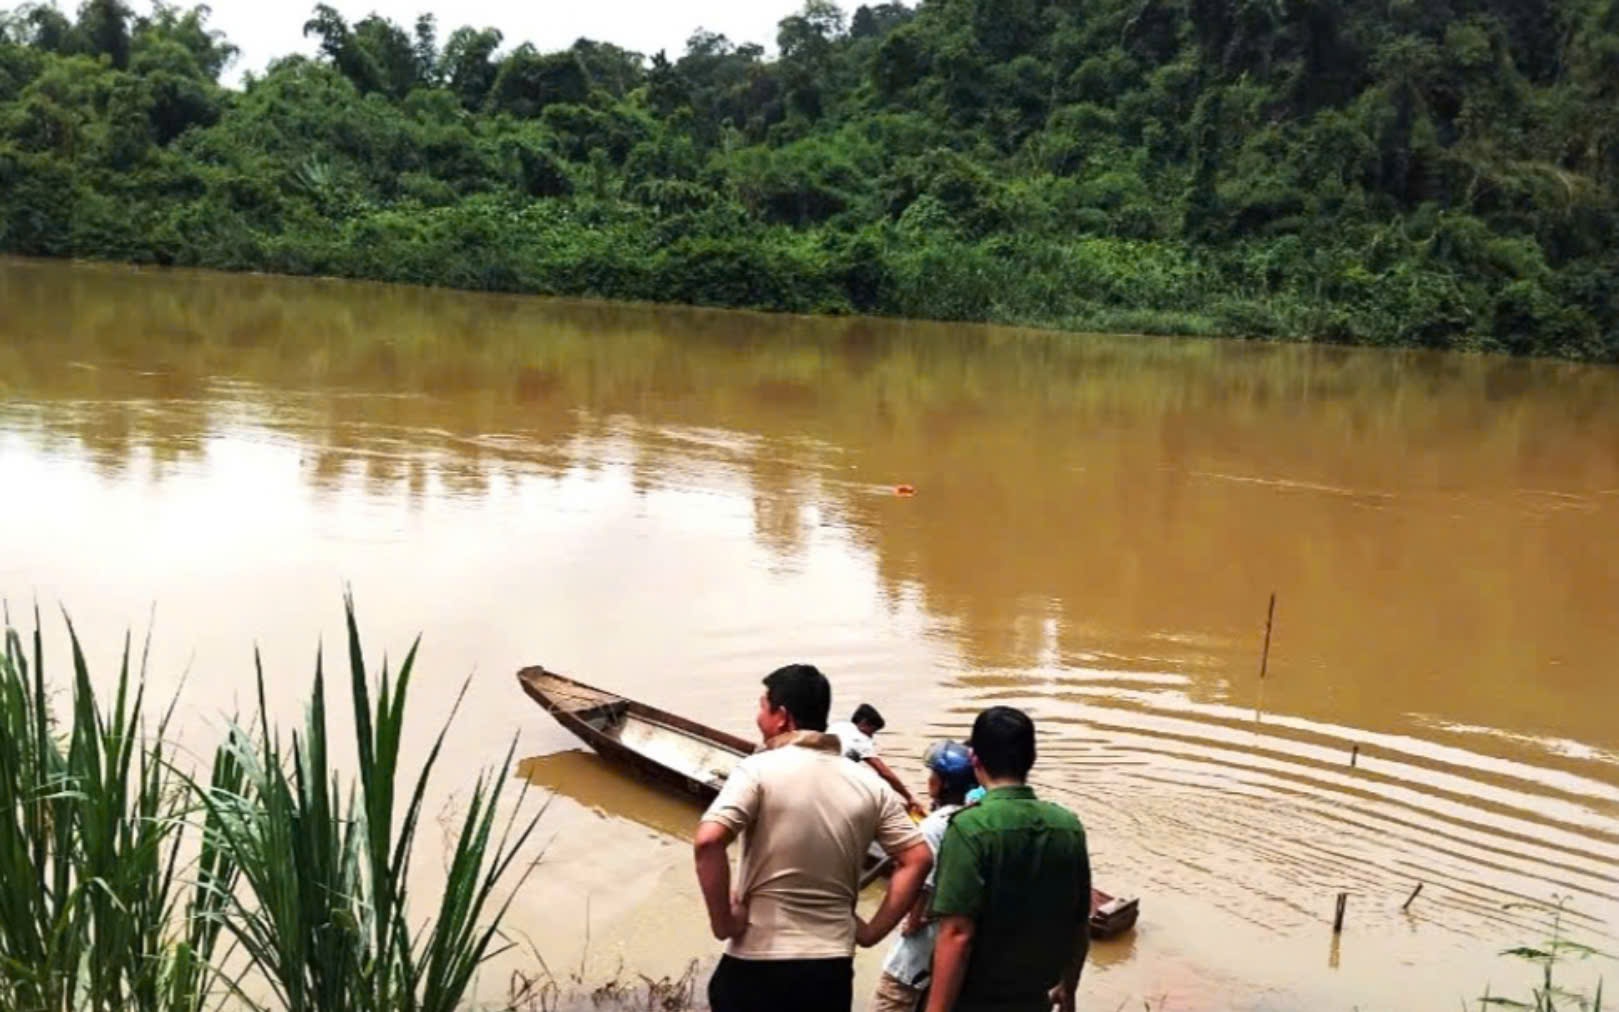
(1442, 173)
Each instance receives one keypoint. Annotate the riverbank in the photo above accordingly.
(1271, 290)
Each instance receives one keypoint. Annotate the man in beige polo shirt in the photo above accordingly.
(806, 817)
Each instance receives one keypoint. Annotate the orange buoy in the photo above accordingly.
(905, 490)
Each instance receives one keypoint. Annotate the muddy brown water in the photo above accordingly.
(671, 502)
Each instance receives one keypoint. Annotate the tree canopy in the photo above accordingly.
(1419, 172)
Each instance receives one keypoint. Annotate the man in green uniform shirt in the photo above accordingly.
(1013, 896)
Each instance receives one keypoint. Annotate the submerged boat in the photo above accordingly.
(693, 759)
(659, 746)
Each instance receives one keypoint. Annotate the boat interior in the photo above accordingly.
(670, 747)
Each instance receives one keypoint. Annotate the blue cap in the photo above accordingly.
(951, 761)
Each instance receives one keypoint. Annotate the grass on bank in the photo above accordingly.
(127, 882)
(97, 909)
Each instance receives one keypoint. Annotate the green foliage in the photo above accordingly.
(466, 66)
(104, 30)
(327, 870)
(122, 877)
(1551, 958)
(95, 912)
(1443, 176)
(529, 82)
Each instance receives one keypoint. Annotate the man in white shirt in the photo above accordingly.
(858, 735)
(806, 818)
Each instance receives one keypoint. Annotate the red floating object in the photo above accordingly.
(905, 490)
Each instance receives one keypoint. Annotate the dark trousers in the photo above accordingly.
(782, 985)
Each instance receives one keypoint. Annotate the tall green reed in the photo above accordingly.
(127, 884)
(98, 907)
(323, 916)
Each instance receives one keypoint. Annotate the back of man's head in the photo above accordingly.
(1003, 741)
(802, 691)
(867, 714)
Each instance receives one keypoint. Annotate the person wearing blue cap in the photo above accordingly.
(905, 973)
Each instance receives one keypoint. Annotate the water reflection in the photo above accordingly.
(597, 785)
(1133, 492)
(675, 496)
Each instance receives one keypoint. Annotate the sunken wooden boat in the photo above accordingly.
(695, 760)
(659, 746)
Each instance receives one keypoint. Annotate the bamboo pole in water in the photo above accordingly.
(1338, 917)
(1264, 656)
(1264, 660)
(1406, 906)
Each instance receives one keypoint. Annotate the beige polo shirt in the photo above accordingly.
(807, 816)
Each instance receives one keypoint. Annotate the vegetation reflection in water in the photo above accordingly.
(410, 386)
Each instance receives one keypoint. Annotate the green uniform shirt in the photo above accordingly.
(1018, 867)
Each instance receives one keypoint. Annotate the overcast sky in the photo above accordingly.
(265, 29)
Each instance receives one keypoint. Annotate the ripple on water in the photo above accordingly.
(1266, 820)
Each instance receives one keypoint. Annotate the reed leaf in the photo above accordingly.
(127, 884)
(91, 842)
(323, 915)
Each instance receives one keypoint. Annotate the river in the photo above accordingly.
(672, 502)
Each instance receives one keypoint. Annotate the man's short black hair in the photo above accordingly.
(865, 713)
(1003, 741)
(802, 691)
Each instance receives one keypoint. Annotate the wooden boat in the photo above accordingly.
(695, 760)
(654, 744)
(1110, 916)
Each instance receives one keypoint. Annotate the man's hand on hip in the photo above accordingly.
(1062, 998)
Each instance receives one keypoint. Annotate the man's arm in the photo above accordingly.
(917, 919)
(882, 769)
(950, 952)
(726, 918)
(1062, 996)
(911, 867)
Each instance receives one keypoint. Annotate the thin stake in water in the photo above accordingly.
(1338, 917)
(1270, 619)
(1264, 660)
(1406, 906)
